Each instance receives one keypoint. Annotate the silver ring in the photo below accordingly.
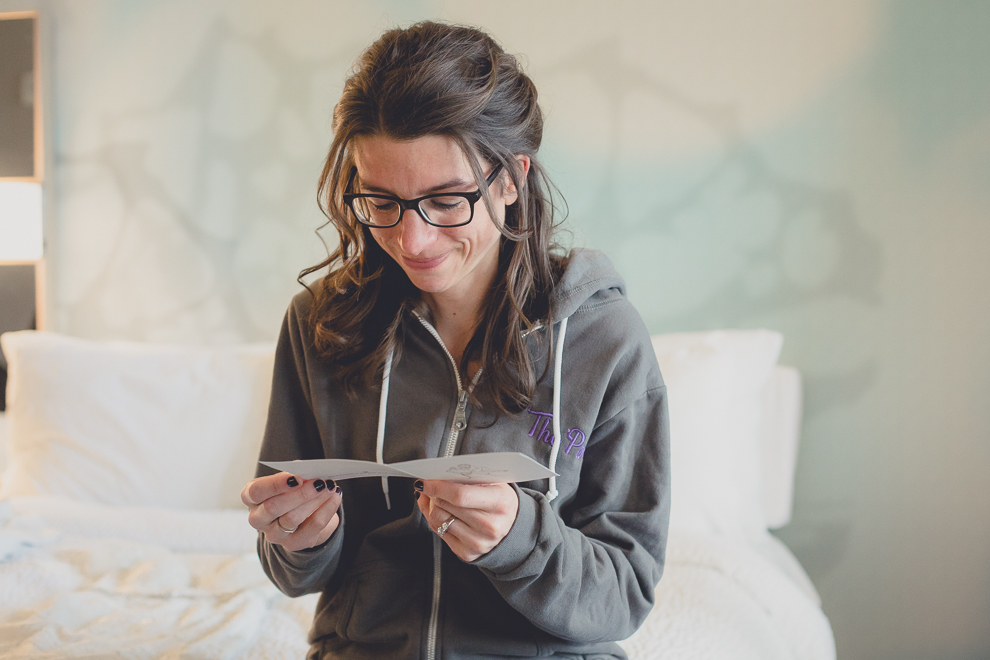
(442, 529)
(278, 521)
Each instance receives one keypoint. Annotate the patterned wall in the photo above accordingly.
(818, 168)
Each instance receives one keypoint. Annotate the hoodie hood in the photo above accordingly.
(588, 277)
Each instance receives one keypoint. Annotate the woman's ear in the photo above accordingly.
(510, 194)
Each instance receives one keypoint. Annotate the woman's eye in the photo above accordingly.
(444, 203)
(383, 205)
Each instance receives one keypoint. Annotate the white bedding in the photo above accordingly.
(723, 599)
(99, 431)
(87, 580)
(90, 581)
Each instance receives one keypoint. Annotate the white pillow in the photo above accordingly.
(133, 424)
(715, 387)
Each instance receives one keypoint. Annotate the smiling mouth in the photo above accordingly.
(424, 264)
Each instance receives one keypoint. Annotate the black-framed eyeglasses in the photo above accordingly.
(454, 209)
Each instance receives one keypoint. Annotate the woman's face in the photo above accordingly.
(455, 263)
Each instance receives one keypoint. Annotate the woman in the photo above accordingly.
(449, 324)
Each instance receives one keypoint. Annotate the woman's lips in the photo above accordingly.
(424, 264)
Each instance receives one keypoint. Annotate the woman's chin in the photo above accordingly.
(428, 283)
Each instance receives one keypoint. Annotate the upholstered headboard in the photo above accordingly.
(781, 435)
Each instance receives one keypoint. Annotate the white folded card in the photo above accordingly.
(493, 468)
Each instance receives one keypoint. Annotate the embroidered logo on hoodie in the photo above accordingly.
(543, 428)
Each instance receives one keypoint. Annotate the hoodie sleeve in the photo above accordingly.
(291, 433)
(588, 574)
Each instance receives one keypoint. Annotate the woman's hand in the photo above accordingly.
(294, 513)
(483, 514)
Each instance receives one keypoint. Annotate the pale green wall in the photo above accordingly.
(819, 168)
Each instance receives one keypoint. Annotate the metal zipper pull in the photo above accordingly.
(460, 421)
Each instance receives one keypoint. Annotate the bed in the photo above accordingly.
(122, 535)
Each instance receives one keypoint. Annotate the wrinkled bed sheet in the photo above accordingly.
(87, 581)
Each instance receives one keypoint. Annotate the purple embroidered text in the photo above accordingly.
(543, 428)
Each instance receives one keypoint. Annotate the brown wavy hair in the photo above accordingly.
(453, 81)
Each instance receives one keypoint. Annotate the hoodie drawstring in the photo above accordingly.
(558, 356)
(382, 407)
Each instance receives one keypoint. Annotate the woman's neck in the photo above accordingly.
(455, 318)
(458, 309)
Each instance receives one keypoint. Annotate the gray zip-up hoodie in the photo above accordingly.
(577, 570)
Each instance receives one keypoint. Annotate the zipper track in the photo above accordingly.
(431, 642)
(436, 335)
(456, 427)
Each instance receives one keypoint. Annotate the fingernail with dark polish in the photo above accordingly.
(416, 495)
(331, 484)
(339, 492)
(292, 482)
(418, 485)
(319, 485)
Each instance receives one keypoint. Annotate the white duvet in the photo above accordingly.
(88, 581)
(721, 599)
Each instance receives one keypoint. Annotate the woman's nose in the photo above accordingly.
(414, 234)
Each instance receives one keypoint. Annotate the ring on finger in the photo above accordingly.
(278, 521)
(442, 529)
